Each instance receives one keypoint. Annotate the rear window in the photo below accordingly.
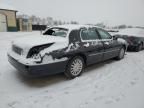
(61, 32)
(89, 34)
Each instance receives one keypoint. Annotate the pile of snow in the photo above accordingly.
(132, 32)
(6, 6)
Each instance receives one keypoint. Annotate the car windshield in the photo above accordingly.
(61, 32)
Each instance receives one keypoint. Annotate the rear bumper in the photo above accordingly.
(38, 70)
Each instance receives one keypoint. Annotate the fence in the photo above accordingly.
(39, 27)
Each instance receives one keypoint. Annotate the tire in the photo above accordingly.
(75, 67)
(121, 54)
(139, 47)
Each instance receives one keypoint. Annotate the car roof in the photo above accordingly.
(75, 26)
(138, 32)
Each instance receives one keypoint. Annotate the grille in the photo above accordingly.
(17, 49)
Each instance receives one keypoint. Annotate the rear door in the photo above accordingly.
(111, 46)
(92, 46)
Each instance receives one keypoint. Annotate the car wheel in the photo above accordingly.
(75, 67)
(139, 47)
(121, 54)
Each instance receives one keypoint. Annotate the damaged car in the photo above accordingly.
(64, 48)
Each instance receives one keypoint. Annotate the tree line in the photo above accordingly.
(49, 21)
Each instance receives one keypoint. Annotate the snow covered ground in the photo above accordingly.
(111, 84)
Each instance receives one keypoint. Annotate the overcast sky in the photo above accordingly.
(111, 12)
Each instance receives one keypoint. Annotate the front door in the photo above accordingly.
(3, 24)
(92, 46)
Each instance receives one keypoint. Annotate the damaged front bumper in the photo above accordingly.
(38, 70)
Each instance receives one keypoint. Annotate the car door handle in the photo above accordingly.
(106, 43)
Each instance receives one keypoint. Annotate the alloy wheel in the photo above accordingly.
(76, 67)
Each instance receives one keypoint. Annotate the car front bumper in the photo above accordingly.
(38, 70)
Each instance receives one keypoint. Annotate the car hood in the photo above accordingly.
(31, 41)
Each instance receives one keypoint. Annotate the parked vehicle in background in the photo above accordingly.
(65, 48)
(134, 37)
(112, 31)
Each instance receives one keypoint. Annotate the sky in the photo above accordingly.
(111, 12)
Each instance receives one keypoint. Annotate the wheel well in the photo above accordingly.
(83, 56)
(124, 47)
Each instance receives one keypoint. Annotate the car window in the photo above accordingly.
(61, 32)
(84, 35)
(104, 34)
(89, 34)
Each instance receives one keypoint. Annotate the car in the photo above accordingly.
(112, 31)
(134, 37)
(64, 48)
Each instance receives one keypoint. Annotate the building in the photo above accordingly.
(7, 18)
(24, 23)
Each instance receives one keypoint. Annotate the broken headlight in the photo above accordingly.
(36, 56)
(34, 52)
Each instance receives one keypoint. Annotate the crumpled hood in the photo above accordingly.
(30, 41)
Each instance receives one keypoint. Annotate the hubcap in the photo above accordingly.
(76, 67)
(122, 53)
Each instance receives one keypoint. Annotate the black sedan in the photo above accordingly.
(65, 48)
(134, 37)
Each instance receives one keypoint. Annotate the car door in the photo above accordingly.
(92, 46)
(111, 46)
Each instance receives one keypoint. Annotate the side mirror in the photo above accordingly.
(115, 37)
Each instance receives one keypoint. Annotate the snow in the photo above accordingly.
(75, 26)
(36, 40)
(72, 47)
(122, 41)
(6, 6)
(48, 59)
(56, 46)
(72, 26)
(87, 45)
(138, 32)
(110, 84)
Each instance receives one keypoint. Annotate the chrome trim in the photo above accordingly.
(95, 54)
(103, 52)
(101, 40)
(96, 40)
